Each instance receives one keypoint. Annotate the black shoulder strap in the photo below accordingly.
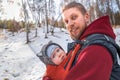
(103, 40)
(100, 39)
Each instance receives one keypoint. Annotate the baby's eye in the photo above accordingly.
(58, 50)
(53, 56)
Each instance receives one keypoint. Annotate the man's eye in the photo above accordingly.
(74, 17)
(66, 21)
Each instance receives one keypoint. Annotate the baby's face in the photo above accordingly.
(58, 56)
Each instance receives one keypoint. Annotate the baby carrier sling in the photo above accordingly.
(107, 42)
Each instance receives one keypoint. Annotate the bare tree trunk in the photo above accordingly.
(118, 3)
(46, 25)
(26, 24)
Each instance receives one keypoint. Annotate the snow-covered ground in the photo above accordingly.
(18, 60)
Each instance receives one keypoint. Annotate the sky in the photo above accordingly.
(12, 10)
(18, 60)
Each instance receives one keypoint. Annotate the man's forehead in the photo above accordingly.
(69, 12)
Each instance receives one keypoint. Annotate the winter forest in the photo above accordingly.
(37, 13)
(26, 25)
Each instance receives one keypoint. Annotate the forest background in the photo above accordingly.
(47, 13)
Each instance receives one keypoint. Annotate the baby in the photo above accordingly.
(56, 60)
(52, 56)
(52, 53)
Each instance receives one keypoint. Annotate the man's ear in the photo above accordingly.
(87, 17)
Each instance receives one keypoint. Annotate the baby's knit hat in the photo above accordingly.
(47, 51)
(50, 49)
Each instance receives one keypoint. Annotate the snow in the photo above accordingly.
(18, 60)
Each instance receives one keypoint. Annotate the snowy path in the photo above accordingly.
(18, 61)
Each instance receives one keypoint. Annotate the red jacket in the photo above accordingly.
(94, 62)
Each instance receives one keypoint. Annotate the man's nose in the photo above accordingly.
(70, 23)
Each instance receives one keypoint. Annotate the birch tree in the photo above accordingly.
(24, 5)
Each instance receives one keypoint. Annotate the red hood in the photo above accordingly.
(101, 25)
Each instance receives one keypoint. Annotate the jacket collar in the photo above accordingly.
(101, 26)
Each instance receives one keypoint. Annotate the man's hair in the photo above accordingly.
(74, 4)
